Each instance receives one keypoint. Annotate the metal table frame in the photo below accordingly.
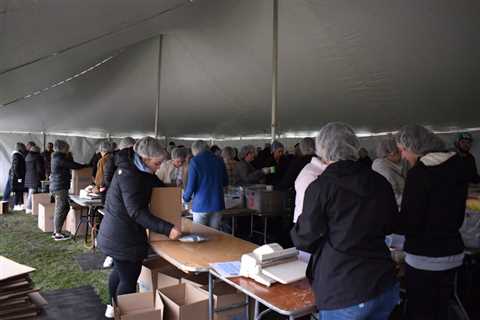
(92, 206)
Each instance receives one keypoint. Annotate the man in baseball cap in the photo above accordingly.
(463, 144)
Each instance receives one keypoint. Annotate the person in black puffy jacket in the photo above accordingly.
(61, 166)
(17, 175)
(35, 172)
(122, 234)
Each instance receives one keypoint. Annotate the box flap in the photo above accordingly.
(129, 303)
(166, 203)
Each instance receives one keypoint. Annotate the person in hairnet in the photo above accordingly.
(389, 165)
(463, 145)
(432, 212)
(347, 212)
(122, 234)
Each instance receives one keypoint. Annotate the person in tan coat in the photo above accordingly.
(174, 171)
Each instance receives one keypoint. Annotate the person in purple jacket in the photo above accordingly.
(207, 176)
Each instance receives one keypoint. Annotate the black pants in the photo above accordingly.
(123, 279)
(18, 198)
(428, 293)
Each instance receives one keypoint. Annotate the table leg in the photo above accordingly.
(251, 226)
(94, 228)
(233, 225)
(257, 309)
(87, 225)
(210, 296)
(247, 307)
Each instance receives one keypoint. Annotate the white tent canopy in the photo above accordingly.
(94, 68)
(376, 65)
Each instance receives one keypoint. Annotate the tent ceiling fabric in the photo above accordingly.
(375, 65)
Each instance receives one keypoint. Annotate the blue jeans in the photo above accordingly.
(211, 219)
(7, 190)
(378, 308)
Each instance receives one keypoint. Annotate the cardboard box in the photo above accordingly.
(184, 302)
(139, 306)
(158, 273)
(73, 219)
(3, 207)
(45, 217)
(38, 198)
(166, 203)
(197, 280)
(81, 178)
(224, 297)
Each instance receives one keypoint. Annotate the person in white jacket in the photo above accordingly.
(174, 172)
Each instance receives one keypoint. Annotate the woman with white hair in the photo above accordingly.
(389, 165)
(347, 213)
(432, 212)
(60, 178)
(122, 234)
(173, 172)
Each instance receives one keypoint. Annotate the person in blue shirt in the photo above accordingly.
(207, 176)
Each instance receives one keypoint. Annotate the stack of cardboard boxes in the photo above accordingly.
(18, 298)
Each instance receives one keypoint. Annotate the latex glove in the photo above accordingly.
(266, 170)
(174, 234)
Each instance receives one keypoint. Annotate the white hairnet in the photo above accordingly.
(228, 153)
(179, 153)
(199, 146)
(149, 147)
(106, 146)
(246, 150)
(307, 146)
(419, 139)
(126, 142)
(387, 146)
(337, 141)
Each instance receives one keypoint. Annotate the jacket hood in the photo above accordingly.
(354, 176)
(124, 158)
(17, 152)
(436, 158)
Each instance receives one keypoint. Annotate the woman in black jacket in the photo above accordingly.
(61, 166)
(122, 234)
(17, 175)
(346, 215)
(432, 212)
(35, 172)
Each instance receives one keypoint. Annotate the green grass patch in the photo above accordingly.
(54, 261)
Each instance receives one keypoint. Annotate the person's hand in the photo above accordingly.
(102, 189)
(174, 234)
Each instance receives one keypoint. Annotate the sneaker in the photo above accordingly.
(109, 312)
(108, 263)
(17, 207)
(61, 237)
(28, 211)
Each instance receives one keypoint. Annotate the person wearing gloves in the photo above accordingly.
(245, 173)
(432, 212)
(122, 234)
(35, 172)
(279, 161)
(347, 212)
(389, 165)
(173, 172)
(207, 177)
(60, 178)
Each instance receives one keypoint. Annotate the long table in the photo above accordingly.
(92, 206)
(293, 300)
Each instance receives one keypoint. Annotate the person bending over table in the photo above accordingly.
(122, 234)
(347, 212)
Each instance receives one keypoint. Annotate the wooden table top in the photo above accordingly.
(196, 257)
(288, 299)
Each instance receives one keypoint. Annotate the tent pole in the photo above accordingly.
(274, 69)
(157, 106)
(44, 140)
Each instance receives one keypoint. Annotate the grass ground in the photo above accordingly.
(56, 268)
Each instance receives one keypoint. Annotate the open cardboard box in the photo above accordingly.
(166, 203)
(81, 178)
(225, 296)
(139, 306)
(158, 273)
(184, 302)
